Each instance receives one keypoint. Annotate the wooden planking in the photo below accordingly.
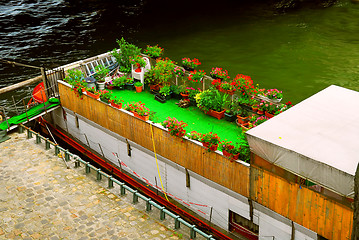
(302, 205)
(213, 166)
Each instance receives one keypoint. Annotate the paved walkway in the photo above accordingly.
(41, 199)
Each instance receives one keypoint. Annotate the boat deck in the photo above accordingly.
(196, 119)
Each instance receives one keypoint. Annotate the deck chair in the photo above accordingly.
(141, 75)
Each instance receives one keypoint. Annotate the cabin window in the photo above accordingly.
(242, 226)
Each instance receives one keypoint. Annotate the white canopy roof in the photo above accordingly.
(318, 139)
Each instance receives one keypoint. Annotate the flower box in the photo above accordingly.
(269, 115)
(95, 96)
(155, 87)
(212, 148)
(216, 114)
(119, 106)
(226, 154)
(144, 118)
(242, 120)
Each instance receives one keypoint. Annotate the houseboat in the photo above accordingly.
(298, 184)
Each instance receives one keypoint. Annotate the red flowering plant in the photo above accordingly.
(175, 127)
(211, 140)
(228, 86)
(283, 107)
(105, 95)
(196, 76)
(190, 63)
(137, 107)
(231, 149)
(192, 93)
(153, 51)
(195, 135)
(216, 83)
(219, 73)
(245, 85)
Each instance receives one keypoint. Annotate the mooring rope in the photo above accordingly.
(158, 169)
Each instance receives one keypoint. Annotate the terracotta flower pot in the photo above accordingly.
(269, 115)
(138, 89)
(119, 106)
(185, 96)
(144, 118)
(212, 148)
(241, 119)
(216, 114)
(93, 95)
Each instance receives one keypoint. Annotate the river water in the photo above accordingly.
(300, 51)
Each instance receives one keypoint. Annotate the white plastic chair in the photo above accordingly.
(141, 75)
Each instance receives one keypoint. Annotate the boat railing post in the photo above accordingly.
(135, 197)
(38, 139)
(162, 213)
(110, 182)
(177, 222)
(193, 232)
(99, 176)
(47, 144)
(88, 170)
(148, 205)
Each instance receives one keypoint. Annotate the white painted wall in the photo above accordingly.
(201, 192)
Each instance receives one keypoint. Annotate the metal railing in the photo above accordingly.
(111, 180)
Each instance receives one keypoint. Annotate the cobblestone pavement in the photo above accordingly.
(41, 199)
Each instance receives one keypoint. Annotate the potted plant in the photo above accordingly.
(129, 85)
(194, 135)
(101, 72)
(105, 96)
(138, 86)
(176, 91)
(120, 82)
(274, 94)
(138, 62)
(230, 113)
(219, 73)
(211, 102)
(210, 141)
(77, 79)
(216, 83)
(152, 81)
(196, 76)
(139, 110)
(153, 51)
(166, 91)
(190, 64)
(242, 116)
(123, 54)
(228, 87)
(179, 72)
(163, 71)
(92, 92)
(175, 127)
(192, 92)
(116, 102)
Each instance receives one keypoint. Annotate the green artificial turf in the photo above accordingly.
(196, 119)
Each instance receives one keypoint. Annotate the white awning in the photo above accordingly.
(317, 139)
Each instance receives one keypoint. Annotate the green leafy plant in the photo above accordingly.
(165, 90)
(101, 72)
(74, 76)
(150, 77)
(211, 99)
(123, 54)
(163, 71)
(92, 90)
(138, 84)
(117, 100)
(175, 127)
(153, 51)
(119, 81)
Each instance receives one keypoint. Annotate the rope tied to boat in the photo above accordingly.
(158, 169)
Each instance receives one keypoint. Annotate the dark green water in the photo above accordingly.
(299, 52)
